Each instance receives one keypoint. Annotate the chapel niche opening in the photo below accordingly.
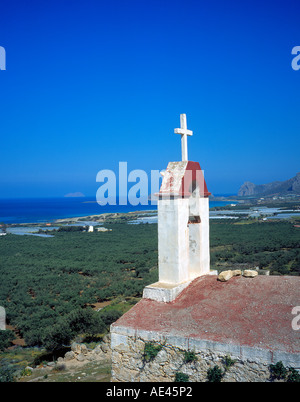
(194, 216)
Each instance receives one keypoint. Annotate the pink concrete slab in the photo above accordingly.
(253, 312)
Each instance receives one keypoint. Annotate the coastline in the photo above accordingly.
(138, 216)
(97, 218)
(22, 212)
(51, 212)
(104, 216)
(95, 222)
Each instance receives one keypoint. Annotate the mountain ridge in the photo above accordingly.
(275, 188)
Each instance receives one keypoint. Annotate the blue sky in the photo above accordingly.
(89, 84)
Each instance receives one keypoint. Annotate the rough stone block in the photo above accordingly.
(225, 276)
(250, 273)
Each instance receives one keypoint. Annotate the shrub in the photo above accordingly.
(26, 372)
(5, 338)
(181, 377)
(57, 336)
(293, 375)
(81, 321)
(228, 362)
(7, 374)
(214, 374)
(189, 356)
(150, 351)
(110, 316)
(278, 371)
(85, 321)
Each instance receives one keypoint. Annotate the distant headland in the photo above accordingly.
(290, 187)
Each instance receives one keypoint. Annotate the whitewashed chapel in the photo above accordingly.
(188, 309)
(183, 225)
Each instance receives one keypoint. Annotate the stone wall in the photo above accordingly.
(128, 364)
(80, 352)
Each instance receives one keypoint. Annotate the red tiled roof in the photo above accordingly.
(179, 179)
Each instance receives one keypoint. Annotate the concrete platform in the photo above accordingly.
(164, 292)
(244, 317)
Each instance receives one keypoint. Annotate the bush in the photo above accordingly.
(7, 374)
(56, 337)
(85, 321)
(26, 372)
(214, 374)
(81, 321)
(151, 351)
(181, 377)
(293, 375)
(71, 229)
(228, 362)
(278, 371)
(189, 356)
(5, 338)
(110, 316)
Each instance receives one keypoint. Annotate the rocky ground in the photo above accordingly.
(80, 364)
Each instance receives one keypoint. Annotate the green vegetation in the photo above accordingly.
(292, 375)
(70, 229)
(215, 374)
(81, 321)
(45, 279)
(279, 372)
(151, 350)
(7, 373)
(51, 287)
(269, 245)
(181, 377)
(189, 356)
(5, 339)
(228, 362)
(26, 372)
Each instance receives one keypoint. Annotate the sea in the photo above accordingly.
(43, 210)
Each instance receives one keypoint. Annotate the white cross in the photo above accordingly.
(184, 133)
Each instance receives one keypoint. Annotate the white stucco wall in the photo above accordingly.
(173, 239)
